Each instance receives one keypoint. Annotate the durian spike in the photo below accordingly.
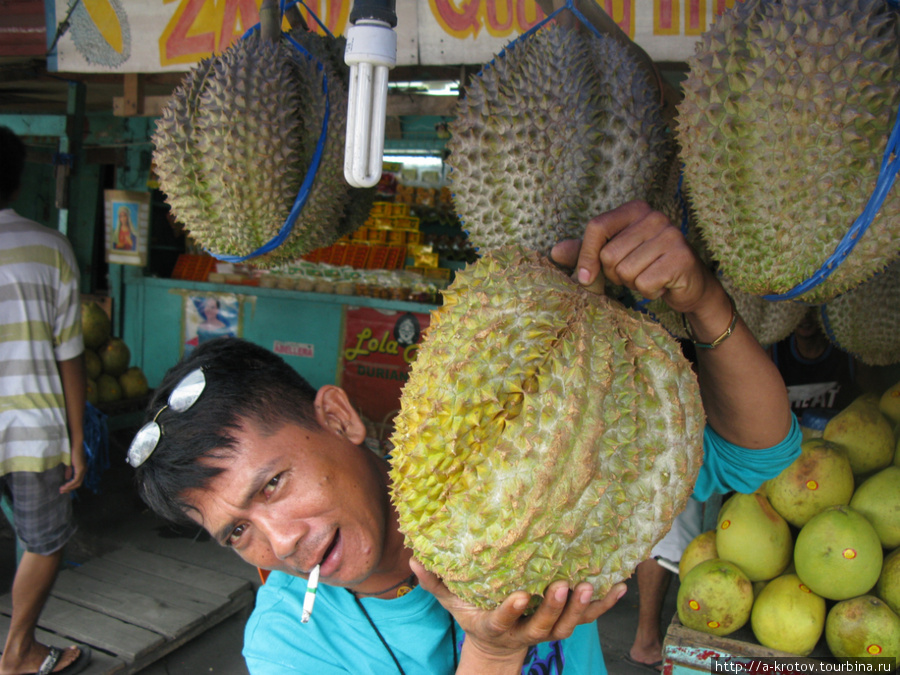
(269, 20)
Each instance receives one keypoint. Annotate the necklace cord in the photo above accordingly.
(380, 636)
(388, 647)
(407, 580)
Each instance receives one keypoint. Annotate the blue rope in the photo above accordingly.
(889, 169)
(829, 332)
(311, 171)
(682, 203)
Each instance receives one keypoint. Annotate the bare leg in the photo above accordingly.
(31, 587)
(652, 582)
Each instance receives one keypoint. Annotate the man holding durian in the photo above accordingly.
(243, 446)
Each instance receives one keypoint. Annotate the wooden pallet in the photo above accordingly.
(133, 607)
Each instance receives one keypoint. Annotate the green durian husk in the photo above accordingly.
(865, 321)
(545, 433)
(556, 130)
(786, 114)
(235, 143)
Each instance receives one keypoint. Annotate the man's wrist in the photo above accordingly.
(487, 661)
(712, 320)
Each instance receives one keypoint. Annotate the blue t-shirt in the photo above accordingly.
(339, 638)
(728, 467)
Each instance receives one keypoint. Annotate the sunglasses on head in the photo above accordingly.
(182, 397)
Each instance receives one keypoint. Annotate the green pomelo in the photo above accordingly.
(888, 586)
(889, 404)
(788, 616)
(91, 392)
(863, 627)
(115, 357)
(878, 499)
(897, 451)
(93, 366)
(838, 553)
(700, 548)
(751, 534)
(820, 477)
(865, 434)
(108, 389)
(134, 383)
(715, 597)
(95, 325)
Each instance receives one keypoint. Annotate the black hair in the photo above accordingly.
(244, 383)
(12, 165)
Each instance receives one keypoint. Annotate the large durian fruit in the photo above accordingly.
(786, 114)
(866, 321)
(557, 129)
(545, 433)
(234, 144)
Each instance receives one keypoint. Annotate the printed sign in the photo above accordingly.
(134, 36)
(379, 347)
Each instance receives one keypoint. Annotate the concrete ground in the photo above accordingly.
(115, 518)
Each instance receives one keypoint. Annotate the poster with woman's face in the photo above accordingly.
(210, 316)
(127, 225)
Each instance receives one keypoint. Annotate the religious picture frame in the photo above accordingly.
(207, 316)
(127, 218)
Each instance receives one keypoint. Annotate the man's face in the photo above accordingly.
(296, 498)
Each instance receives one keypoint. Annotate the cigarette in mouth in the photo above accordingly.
(309, 600)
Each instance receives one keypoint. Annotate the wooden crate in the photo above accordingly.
(687, 651)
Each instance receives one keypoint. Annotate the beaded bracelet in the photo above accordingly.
(719, 340)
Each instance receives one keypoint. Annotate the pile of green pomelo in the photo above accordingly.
(815, 551)
(107, 359)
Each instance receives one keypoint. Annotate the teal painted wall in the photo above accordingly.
(153, 327)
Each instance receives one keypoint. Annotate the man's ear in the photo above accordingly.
(335, 413)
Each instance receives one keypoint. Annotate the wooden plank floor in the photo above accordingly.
(133, 607)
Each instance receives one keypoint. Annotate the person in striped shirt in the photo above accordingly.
(42, 401)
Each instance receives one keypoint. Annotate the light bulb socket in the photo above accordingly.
(371, 42)
(379, 10)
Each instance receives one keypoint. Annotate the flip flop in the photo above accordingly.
(79, 664)
(654, 667)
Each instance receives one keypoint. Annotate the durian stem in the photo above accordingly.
(295, 18)
(270, 20)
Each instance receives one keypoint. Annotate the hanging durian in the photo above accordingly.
(786, 114)
(558, 128)
(545, 433)
(235, 142)
(866, 321)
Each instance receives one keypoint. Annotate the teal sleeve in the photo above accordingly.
(728, 467)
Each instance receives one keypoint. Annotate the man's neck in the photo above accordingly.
(394, 566)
